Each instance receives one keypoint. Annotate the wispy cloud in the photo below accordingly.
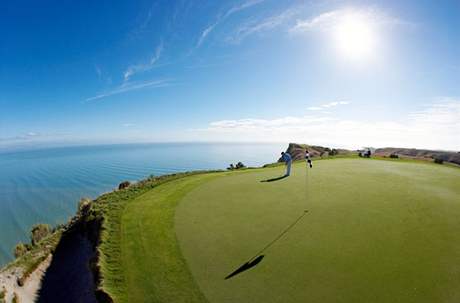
(126, 87)
(436, 127)
(98, 71)
(128, 124)
(139, 68)
(329, 20)
(328, 105)
(222, 17)
(29, 138)
(258, 26)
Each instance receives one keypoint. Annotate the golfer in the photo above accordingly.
(286, 157)
(308, 159)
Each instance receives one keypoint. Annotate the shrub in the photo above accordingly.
(438, 161)
(15, 298)
(2, 294)
(124, 185)
(83, 203)
(394, 156)
(333, 152)
(240, 165)
(20, 249)
(236, 166)
(38, 232)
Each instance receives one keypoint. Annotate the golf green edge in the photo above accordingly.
(140, 257)
(132, 272)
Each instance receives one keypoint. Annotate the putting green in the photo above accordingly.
(376, 231)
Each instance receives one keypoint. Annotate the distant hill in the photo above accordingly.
(447, 156)
(297, 151)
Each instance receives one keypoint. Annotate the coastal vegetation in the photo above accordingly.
(238, 165)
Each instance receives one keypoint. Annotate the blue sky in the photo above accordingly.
(340, 73)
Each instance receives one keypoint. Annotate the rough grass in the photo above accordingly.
(110, 209)
(34, 257)
(376, 231)
(152, 261)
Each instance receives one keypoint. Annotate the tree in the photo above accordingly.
(38, 232)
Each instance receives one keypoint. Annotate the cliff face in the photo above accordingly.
(453, 157)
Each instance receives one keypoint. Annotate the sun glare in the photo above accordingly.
(355, 36)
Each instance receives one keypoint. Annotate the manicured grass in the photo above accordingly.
(376, 231)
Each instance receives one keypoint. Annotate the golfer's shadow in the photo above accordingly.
(274, 179)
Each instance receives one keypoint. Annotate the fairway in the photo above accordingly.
(375, 231)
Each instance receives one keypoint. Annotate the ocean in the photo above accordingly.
(44, 186)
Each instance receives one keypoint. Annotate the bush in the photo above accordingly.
(2, 294)
(83, 203)
(124, 185)
(15, 298)
(394, 156)
(240, 165)
(438, 161)
(38, 232)
(20, 249)
(236, 166)
(333, 152)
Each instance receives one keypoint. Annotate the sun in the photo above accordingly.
(355, 36)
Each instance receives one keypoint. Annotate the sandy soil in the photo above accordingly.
(28, 292)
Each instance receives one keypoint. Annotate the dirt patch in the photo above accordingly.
(29, 291)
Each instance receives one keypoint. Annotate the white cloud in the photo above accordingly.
(31, 138)
(321, 22)
(258, 26)
(139, 68)
(126, 87)
(205, 33)
(329, 20)
(436, 126)
(222, 17)
(328, 105)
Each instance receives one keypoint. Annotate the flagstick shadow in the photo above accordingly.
(257, 258)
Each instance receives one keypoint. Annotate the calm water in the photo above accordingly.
(45, 185)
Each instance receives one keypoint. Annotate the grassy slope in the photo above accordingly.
(377, 231)
(152, 262)
(118, 242)
(32, 259)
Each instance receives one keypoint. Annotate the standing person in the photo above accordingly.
(307, 157)
(286, 157)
